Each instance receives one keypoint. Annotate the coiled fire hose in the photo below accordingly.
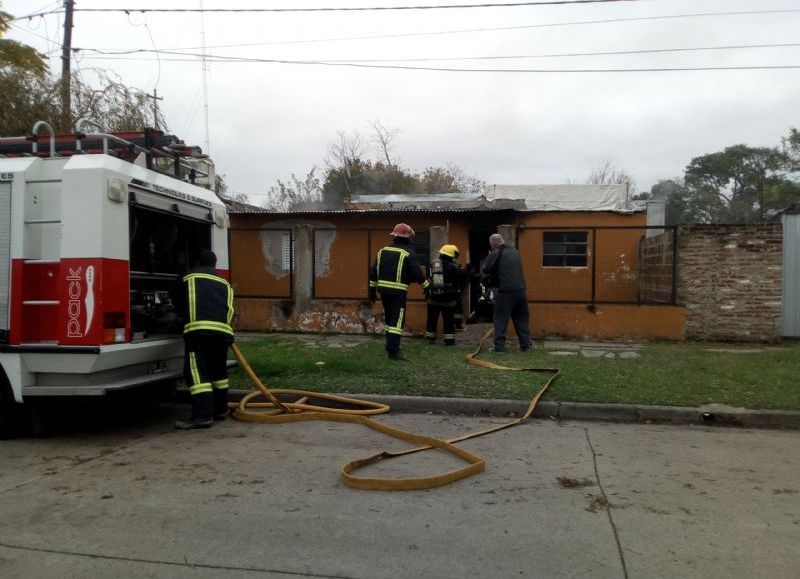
(274, 411)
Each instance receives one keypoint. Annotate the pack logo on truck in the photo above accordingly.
(6, 176)
(79, 301)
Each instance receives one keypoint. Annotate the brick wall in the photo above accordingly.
(656, 268)
(730, 281)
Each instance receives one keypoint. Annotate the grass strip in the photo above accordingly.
(679, 374)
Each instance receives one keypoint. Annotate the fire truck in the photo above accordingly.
(96, 230)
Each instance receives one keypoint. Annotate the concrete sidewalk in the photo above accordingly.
(135, 498)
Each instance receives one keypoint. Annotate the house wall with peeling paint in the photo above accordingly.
(614, 265)
(343, 245)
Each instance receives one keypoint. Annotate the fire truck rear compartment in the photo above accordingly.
(163, 246)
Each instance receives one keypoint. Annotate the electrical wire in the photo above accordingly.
(366, 63)
(500, 28)
(502, 57)
(575, 54)
(482, 70)
(338, 8)
(362, 8)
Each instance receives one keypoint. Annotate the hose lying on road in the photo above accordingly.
(359, 411)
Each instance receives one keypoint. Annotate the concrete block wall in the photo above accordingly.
(730, 281)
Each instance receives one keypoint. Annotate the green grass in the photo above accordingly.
(683, 374)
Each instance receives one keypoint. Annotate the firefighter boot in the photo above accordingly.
(202, 412)
(220, 403)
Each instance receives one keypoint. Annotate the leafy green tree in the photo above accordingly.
(26, 94)
(296, 194)
(735, 185)
(14, 54)
(791, 148)
(110, 103)
(449, 179)
(677, 199)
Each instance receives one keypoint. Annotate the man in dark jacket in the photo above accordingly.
(394, 269)
(504, 266)
(446, 280)
(207, 312)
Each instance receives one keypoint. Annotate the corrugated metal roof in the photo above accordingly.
(369, 211)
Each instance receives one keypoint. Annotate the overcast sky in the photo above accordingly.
(267, 120)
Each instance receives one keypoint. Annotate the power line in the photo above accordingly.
(249, 60)
(339, 8)
(575, 54)
(501, 28)
(191, 56)
(363, 8)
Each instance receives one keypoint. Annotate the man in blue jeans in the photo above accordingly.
(504, 268)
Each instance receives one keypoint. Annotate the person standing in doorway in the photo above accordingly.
(503, 268)
(395, 268)
(207, 304)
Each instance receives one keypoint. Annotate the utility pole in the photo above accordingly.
(66, 52)
(155, 98)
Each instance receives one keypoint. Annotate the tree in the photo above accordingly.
(449, 179)
(349, 171)
(296, 195)
(610, 173)
(111, 104)
(14, 54)
(676, 197)
(737, 184)
(791, 148)
(27, 95)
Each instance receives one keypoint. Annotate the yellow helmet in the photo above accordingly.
(449, 250)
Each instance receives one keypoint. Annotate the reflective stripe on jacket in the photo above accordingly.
(209, 302)
(395, 268)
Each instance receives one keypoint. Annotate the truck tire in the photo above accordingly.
(15, 418)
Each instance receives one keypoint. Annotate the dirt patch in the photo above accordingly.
(574, 483)
(597, 503)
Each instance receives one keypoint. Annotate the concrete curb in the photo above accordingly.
(726, 416)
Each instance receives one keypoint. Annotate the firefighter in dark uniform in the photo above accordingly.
(395, 268)
(208, 310)
(445, 282)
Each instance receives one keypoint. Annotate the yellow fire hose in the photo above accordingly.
(358, 411)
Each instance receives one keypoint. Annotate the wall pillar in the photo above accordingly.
(303, 267)
(509, 233)
(439, 237)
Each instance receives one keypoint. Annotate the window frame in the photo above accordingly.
(564, 243)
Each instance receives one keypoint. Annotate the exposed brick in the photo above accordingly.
(730, 281)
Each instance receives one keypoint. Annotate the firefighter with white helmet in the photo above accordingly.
(395, 268)
(446, 280)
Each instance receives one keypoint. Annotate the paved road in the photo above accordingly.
(139, 499)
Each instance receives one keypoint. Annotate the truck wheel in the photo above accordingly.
(15, 419)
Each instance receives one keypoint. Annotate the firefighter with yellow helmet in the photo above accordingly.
(395, 268)
(446, 280)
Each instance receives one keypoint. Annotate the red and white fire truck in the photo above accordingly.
(93, 239)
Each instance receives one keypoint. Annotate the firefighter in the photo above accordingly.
(445, 282)
(208, 310)
(394, 269)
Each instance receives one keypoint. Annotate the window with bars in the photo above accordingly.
(287, 248)
(565, 248)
